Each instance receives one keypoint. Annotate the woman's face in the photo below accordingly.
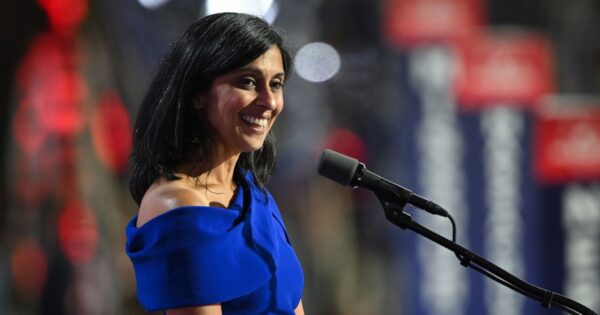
(242, 105)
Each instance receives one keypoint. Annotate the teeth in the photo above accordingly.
(256, 121)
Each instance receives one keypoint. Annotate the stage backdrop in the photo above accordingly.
(482, 137)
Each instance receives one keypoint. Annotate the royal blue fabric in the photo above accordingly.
(240, 257)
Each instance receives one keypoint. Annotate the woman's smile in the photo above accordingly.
(256, 122)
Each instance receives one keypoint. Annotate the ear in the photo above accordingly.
(199, 102)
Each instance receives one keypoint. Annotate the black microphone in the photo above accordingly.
(348, 171)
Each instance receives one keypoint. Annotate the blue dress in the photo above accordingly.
(240, 257)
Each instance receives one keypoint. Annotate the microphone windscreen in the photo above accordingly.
(337, 167)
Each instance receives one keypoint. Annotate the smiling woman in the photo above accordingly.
(242, 105)
(209, 238)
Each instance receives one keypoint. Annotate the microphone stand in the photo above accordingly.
(394, 212)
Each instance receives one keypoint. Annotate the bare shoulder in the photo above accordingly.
(164, 196)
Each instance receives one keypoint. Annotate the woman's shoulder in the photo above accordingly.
(164, 195)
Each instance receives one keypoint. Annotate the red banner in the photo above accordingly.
(508, 68)
(567, 141)
(411, 22)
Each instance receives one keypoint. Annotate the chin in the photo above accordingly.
(251, 147)
(250, 144)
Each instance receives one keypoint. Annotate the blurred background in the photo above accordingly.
(490, 108)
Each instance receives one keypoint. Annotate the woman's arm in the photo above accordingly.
(214, 309)
(299, 310)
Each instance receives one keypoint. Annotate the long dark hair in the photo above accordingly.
(168, 131)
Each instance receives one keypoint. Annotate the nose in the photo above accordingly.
(268, 99)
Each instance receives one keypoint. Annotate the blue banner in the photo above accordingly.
(479, 166)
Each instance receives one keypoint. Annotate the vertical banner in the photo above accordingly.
(436, 144)
(501, 77)
(433, 144)
(502, 174)
(567, 165)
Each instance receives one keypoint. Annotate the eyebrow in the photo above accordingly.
(256, 71)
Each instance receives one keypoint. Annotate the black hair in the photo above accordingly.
(168, 132)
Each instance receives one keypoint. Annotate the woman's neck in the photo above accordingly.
(218, 173)
(221, 173)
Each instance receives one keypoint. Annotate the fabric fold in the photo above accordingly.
(196, 255)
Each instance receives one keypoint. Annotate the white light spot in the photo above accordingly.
(317, 62)
(152, 4)
(266, 9)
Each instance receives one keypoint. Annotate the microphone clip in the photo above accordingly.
(394, 210)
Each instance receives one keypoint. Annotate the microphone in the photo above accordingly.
(348, 171)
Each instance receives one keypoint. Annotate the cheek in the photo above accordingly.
(233, 103)
(224, 108)
(225, 98)
(280, 104)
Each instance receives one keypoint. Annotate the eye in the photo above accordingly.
(276, 85)
(247, 83)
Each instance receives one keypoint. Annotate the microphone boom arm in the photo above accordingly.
(394, 212)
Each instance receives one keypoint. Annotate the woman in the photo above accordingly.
(208, 238)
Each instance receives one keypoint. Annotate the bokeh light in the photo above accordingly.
(345, 142)
(65, 15)
(78, 232)
(53, 91)
(152, 4)
(317, 62)
(111, 132)
(267, 9)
